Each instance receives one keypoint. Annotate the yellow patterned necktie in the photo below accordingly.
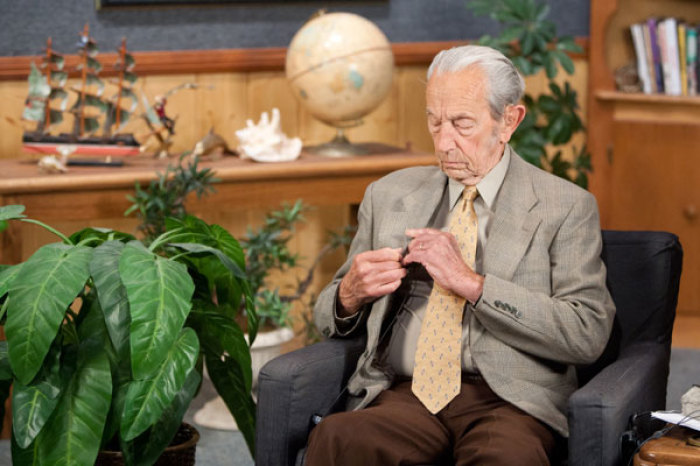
(437, 374)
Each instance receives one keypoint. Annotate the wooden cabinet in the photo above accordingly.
(645, 148)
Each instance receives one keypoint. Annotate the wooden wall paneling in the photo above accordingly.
(267, 90)
(180, 106)
(12, 96)
(222, 105)
(413, 122)
(313, 131)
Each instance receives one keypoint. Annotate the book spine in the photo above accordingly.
(670, 31)
(649, 58)
(682, 58)
(692, 59)
(642, 70)
(656, 54)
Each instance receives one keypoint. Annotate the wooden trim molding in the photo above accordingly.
(228, 60)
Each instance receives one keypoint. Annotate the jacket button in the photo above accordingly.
(518, 314)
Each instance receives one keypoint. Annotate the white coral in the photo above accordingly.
(265, 141)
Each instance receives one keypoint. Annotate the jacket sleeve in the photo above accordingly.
(572, 323)
(325, 316)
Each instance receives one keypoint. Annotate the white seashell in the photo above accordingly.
(265, 141)
(50, 164)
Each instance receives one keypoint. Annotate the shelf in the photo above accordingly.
(652, 108)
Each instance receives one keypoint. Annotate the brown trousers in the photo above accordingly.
(476, 428)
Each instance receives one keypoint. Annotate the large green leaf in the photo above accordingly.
(146, 399)
(228, 378)
(104, 268)
(148, 447)
(24, 456)
(39, 296)
(33, 404)
(12, 212)
(72, 434)
(159, 292)
(5, 369)
(7, 276)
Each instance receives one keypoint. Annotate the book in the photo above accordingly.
(655, 54)
(642, 67)
(668, 44)
(692, 60)
(682, 58)
(649, 58)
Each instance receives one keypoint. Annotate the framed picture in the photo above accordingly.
(118, 3)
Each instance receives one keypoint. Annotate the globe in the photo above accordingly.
(340, 68)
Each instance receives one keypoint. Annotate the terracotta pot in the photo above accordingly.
(181, 451)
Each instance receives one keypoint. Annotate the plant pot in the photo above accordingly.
(267, 345)
(181, 451)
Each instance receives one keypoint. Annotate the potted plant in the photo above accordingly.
(530, 40)
(267, 252)
(107, 337)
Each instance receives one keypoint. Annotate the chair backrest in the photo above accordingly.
(644, 269)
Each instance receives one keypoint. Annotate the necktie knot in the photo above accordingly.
(468, 195)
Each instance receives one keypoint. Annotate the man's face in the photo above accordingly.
(468, 141)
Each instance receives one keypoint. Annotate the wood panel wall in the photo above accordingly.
(236, 85)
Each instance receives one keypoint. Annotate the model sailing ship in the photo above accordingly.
(97, 119)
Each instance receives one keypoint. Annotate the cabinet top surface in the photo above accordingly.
(23, 175)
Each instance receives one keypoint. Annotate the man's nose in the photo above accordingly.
(445, 138)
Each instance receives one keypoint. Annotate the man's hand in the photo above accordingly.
(372, 274)
(439, 253)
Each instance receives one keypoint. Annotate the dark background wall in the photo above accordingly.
(25, 24)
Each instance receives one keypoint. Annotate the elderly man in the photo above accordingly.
(486, 279)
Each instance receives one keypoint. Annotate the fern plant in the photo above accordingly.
(530, 40)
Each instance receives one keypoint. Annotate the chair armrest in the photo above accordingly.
(600, 410)
(295, 386)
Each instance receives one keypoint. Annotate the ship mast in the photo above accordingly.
(47, 109)
(120, 84)
(83, 81)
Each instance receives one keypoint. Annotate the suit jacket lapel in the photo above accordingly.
(414, 210)
(514, 223)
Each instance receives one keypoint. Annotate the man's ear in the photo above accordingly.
(512, 117)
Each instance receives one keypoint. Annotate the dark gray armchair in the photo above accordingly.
(630, 377)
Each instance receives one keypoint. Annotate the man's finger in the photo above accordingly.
(413, 232)
(382, 255)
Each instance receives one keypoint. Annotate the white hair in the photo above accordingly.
(505, 84)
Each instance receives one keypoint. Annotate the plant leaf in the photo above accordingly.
(33, 404)
(39, 296)
(7, 276)
(159, 293)
(104, 268)
(72, 434)
(148, 449)
(146, 399)
(228, 379)
(12, 212)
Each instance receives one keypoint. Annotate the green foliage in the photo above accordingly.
(267, 250)
(165, 196)
(105, 338)
(531, 42)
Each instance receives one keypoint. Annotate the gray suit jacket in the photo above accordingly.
(544, 307)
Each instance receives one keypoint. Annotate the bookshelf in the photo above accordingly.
(643, 146)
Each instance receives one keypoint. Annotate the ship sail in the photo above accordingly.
(44, 88)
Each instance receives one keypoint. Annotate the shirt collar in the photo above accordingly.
(488, 187)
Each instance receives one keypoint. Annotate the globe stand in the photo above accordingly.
(339, 146)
